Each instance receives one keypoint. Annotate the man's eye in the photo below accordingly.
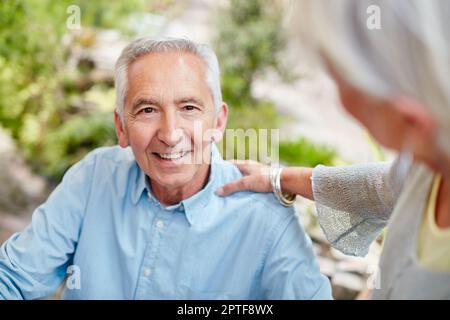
(190, 108)
(148, 110)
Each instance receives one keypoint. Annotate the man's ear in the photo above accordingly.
(121, 133)
(221, 120)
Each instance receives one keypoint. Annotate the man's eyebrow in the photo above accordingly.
(142, 101)
(189, 100)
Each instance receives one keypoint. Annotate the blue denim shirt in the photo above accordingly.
(103, 233)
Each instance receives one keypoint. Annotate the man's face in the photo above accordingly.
(168, 109)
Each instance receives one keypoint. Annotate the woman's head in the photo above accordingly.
(396, 79)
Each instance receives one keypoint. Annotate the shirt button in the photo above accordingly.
(147, 272)
(160, 224)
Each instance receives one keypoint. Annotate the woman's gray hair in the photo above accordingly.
(408, 53)
(149, 45)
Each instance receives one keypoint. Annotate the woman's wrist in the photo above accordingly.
(286, 199)
(297, 180)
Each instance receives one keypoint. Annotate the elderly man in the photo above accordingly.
(144, 222)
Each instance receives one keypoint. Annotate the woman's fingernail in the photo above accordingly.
(219, 192)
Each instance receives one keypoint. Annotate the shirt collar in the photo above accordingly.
(139, 185)
(192, 207)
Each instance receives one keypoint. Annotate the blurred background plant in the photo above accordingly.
(250, 40)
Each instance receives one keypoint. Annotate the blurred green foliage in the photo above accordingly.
(250, 41)
(301, 152)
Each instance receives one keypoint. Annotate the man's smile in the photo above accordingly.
(171, 156)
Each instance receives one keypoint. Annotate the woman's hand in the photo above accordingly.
(256, 178)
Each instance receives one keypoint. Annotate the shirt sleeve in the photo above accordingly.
(354, 203)
(34, 262)
(291, 270)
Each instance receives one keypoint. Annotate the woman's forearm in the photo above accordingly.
(297, 180)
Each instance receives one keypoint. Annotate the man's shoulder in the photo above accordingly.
(263, 204)
(114, 154)
(103, 159)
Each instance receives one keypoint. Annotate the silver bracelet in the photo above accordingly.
(287, 199)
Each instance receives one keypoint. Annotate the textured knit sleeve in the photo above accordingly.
(355, 202)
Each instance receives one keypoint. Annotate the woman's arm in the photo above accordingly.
(296, 180)
(353, 203)
(358, 188)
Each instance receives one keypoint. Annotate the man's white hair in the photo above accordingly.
(149, 45)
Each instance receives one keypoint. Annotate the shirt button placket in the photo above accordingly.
(159, 226)
(149, 259)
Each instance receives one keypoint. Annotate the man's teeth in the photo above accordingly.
(171, 156)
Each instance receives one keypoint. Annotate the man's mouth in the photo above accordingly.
(171, 156)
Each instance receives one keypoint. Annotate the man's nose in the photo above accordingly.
(169, 132)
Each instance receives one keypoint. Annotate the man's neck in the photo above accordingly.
(171, 196)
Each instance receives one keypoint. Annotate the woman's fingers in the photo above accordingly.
(238, 162)
(232, 187)
(250, 167)
(256, 178)
(242, 165)
(255, 183)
